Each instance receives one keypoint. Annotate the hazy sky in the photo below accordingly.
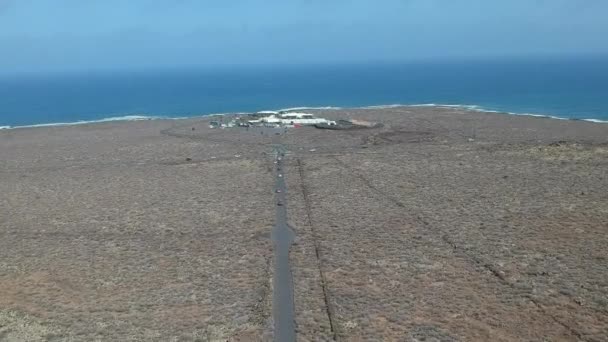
(54, 35)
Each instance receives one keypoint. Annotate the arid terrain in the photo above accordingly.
(443, 225)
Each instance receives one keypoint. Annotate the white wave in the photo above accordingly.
(385, 106)
(457, 106)
(529, 114)
(423, 105)
(463, 106)
(82, 122)
(475, 108)
(398, 105)
(595, 120)
(215, 114)
(545, 116)
(468, 107)
(129, 118)
(308, 108)
(447, 105)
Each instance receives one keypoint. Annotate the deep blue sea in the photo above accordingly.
(574, 88)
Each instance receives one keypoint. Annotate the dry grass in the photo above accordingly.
(129, 240)
(498, 237)
(443, 225)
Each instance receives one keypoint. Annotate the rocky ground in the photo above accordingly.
(452, 226)
(443, 225)
(117, 232)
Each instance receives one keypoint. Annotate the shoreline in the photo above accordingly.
(143, 117)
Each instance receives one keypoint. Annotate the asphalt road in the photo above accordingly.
(282, 236)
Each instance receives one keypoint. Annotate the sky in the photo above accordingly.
(81, 35)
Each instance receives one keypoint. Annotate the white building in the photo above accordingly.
(291, 119)
(268, 112)
(301, 119)
(271, 120)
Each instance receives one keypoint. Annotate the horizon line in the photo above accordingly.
(219, 67)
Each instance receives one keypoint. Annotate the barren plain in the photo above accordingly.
(443, 225)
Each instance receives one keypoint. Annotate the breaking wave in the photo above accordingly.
(474, 108)
(83, 122)
(309, 108)
(595, 120)
(477, 108)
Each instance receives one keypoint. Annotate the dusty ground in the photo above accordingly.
(445, 225)
(448, 225)
(108, 232)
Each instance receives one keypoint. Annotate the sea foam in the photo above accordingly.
(308, 108)
(467, 107)
(384, 106)
(595, 120)
(83, 122)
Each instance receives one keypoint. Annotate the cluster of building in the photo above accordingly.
(274, 119)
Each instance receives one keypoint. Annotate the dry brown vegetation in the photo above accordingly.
(109, 233)
(458, 226)
(444, 225)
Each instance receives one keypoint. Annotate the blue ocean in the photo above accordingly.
(574, 88)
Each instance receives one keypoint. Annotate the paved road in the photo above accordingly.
(282, 236)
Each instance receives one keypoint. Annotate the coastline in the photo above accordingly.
(143, 117)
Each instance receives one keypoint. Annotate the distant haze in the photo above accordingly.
(77, 35)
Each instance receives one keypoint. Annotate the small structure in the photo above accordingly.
(266, 121)
(301, 119)
(348, 125)
(290, 119)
